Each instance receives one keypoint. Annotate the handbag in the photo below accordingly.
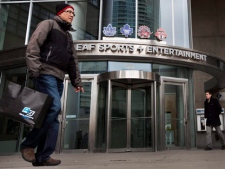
(24, 105)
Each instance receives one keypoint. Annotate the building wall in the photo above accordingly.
(208, 20)
(208, 34)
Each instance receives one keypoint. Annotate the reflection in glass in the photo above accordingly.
(123, 13)
(174, 20)
(170, 71)
(13, 25)
(114, 66)
(119, 13)
(118, 119)
(77, 117)
(141, 118)
(86, 21)
(158, 117)
(101, 118)
(92, 67)
(148, 14)
(41, 11)
(135, 124)
(174, 116)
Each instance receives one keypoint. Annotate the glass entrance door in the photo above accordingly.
(77, 111)
(174, 116)
(131, 118)
(127, 107)
(141, 117)
(118, 118)
(174, 113)
(77, 118)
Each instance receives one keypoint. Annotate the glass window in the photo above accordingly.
(101, 127)
(174, 115)
(141, 118)
(122, 12)
(92, 67)
(171, 71)
(42, 11)
(181, 32)
(149, 14)
(171, 15)
(86, 21)
(13, 25)
(174, 20)
(76, 134)
(114, 66)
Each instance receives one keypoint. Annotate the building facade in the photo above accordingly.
(140, 85)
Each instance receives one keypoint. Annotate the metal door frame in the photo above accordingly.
(93, 111)
(179, 82)
(128, 76)
(128, 88)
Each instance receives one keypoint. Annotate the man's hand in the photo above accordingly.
(78, 89)
(34, 74)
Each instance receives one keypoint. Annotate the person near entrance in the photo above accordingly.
(50, 55)
(212, 112)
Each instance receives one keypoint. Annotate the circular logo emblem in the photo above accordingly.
(144, 32)
(160, 34)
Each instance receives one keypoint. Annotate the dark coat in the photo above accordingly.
(212, 112)
(51, 51)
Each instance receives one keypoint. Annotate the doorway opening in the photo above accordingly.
(129, 111)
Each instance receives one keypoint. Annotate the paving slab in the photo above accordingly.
(169, 159)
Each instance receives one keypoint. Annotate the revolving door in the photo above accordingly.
(127, 111)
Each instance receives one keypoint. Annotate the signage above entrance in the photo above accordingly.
(139, 49)
(136, 50)
(151, 51)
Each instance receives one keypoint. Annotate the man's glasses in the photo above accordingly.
(70, 12)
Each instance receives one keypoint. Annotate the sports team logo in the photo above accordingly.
(126, 30)
(27, 113)
(144, 32)
(109, 30)
(160, 34)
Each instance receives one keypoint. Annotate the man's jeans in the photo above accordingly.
(209, 135)
(45, 138)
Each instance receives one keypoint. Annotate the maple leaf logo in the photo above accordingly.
(126, 30)
(109, 30)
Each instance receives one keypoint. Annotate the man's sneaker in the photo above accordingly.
(49, 162)
(208, 148)
(223, 147)
(28, 154)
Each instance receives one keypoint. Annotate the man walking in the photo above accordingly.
(212, 112)
(50, 54)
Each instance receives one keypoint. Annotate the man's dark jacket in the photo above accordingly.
(51, 51)
(212, 112)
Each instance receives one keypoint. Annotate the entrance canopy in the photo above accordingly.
(130, 77)
(135, 50)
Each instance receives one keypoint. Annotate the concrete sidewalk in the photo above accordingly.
(170, 159)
